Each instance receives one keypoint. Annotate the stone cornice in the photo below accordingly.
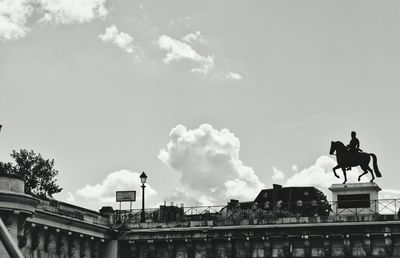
(70, 224)
(18, 201)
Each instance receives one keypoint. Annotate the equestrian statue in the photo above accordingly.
(352, 156)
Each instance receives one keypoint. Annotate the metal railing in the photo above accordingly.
(307, 212)
(382, 207)
(134, 215)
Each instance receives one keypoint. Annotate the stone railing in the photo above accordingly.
(71, 211)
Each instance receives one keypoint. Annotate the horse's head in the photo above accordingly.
(338, 147)
(333, 148)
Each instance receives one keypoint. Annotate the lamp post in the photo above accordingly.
(143, 178)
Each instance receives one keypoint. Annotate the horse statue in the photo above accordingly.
(346, 159)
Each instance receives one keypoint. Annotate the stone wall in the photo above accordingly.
(346, 239)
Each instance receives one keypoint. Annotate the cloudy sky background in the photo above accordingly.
(213, 99)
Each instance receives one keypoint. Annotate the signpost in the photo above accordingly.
(125, 196)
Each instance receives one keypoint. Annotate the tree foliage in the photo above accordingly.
(38, 173)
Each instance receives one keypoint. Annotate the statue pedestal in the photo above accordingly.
(355, 198)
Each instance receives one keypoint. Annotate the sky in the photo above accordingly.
(212, 99)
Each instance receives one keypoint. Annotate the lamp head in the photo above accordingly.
(143, 178)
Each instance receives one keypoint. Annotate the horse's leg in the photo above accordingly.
(372, 173)
(334, 171)
(345, 175)
(365, 172)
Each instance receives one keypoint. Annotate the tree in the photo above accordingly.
(38, 173)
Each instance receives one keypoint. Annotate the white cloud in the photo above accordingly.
(277, 174)
(72, 11)
(389, 194)
(194, 37)
(178, 50)
(13, 18)
(233, 76)
(181, 195)
(14, 14)
(70, 198)
(121, 39)
(186, 21)
(208, 160)
(295, 168)
(123, 180)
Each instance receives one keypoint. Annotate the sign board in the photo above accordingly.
(125, 196)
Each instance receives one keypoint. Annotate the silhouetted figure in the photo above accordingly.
(353, 147)
(361, 159)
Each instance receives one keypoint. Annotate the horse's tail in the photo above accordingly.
(375, 162)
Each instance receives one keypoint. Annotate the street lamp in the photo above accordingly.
(143, 179)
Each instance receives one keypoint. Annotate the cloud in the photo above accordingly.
(180, 195)
(186, 21)
(194, 37)
(389, 194)
(70, 198)
(178, 50)
(14, 14)
(233, 76)
(13, 18)
(209, 164)
(277, 174)
(121, 39)
(72, 11)
(123, 180)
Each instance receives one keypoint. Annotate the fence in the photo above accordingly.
(338, 211)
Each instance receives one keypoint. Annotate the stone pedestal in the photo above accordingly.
(355, 198)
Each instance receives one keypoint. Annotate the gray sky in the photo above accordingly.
(99, 89)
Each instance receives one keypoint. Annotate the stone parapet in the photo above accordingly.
(346, 239)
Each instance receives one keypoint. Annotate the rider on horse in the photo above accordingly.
(353, 147)
(352, 156)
